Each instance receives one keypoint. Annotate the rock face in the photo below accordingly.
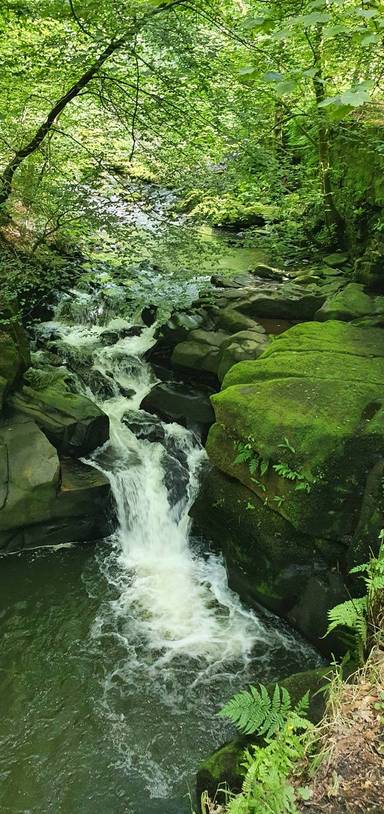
(73, 423)
(45, 502)
(308, 421)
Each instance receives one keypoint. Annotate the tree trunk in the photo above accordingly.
(6, 178)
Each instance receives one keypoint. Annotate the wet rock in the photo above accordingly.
(144, 425)
(45, 502)
(176, 478)
(269, 272)
(288, 301)
(180, 402)
(268, 560)
(149, 314)
(101, 385)
(242, 345)
(73, 423)
(110, 337)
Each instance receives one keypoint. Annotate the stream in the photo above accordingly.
(116, 658)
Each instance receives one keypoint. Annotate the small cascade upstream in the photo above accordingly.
(166, 641)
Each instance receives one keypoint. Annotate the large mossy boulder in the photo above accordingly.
(305, 501)
(44, 501)
(223, 769)
(74, 424)
(316, 427)
(351, 303)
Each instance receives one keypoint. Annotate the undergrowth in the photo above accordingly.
(293, 761)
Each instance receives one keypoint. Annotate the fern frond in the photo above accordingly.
(254, 712)
(350, 614)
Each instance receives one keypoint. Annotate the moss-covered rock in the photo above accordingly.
(336, 432)
(311, 412)
(73, 423)
(268, 561)
(350, 303)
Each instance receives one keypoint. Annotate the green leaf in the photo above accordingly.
(316, 18)
(273, 76)
(247, 70)
(286, 87)
(370, 39)
(367, 13)
(333, 30)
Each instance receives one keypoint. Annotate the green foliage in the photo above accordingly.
(301, 482)
(270, 768)
(257, 713)
(358, 619)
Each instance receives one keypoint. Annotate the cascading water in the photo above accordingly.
(167, 642)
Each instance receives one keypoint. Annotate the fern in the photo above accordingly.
(255, 712)
(357, 616)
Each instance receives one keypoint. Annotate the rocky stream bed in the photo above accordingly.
(104, 412)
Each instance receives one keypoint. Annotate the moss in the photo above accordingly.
(301, 411)
(268, 560)
(73, 423)
(350, 303)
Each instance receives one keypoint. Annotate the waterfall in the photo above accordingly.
(168, 640)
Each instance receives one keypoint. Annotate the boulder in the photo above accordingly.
(336, 259)
(44, 502)
(288, 301)
(232, 321)
(315, 424)
(196, 355)
(216, 351)
(180, 402)
(369, 269)
(240, 346)
(269, 272)
(73, 423)
(350, 303)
